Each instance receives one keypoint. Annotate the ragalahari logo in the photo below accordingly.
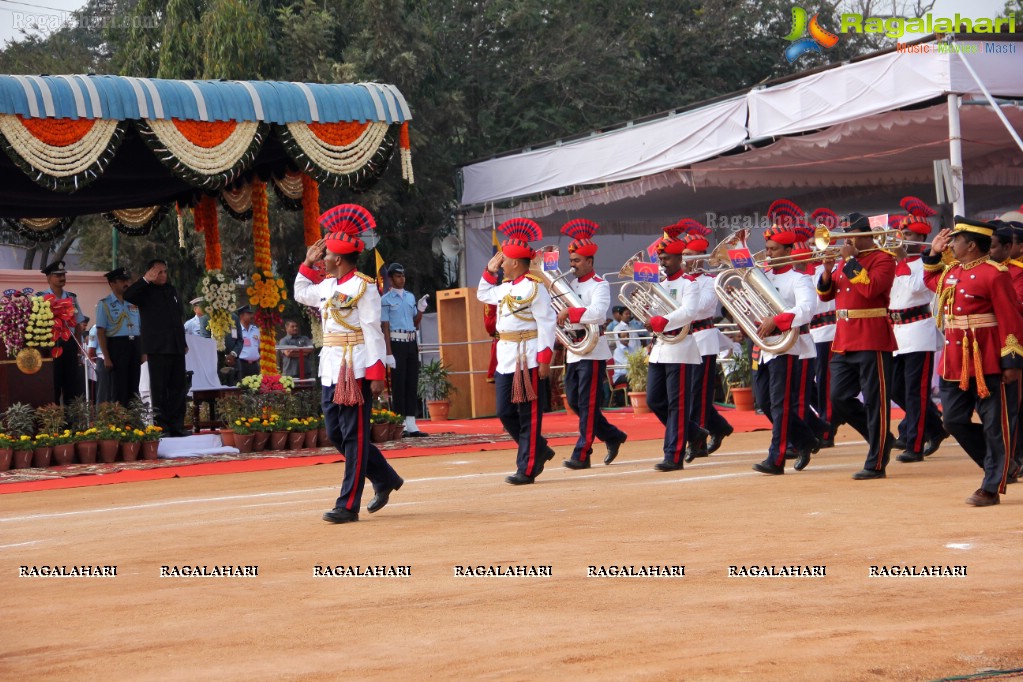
(802, 43)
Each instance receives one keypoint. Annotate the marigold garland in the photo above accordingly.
(263, 264)
(310, 209)
(267, 291)
(58, 132)
(205, 214)
(206, 134)
(406, 154)
(340, 134)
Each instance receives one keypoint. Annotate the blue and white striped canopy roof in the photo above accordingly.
(123, 98)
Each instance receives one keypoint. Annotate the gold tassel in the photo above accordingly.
(964, 378)
(978, 369)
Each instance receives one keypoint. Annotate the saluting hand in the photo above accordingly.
(315, 252)
(941, 241)
(494, 264)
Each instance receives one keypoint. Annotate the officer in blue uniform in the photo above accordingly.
(400, 315)
(68, 376)
(119, 336)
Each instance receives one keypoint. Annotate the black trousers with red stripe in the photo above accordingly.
(868, 372)
(583, 383)
(524, 421)
(807, 413)
(348, 429)
(705, 413)
(669, 396)
(822, 384)
(776, 388)
(988, 442)
(911, 390)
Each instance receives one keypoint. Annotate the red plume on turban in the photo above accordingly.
(343, 224)
(919, 212)
(825, 217)
(520, 231)
(581, 231)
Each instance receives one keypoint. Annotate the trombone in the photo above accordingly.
(884, 239)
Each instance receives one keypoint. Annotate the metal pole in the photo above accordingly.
(991, 101)
(955, 151)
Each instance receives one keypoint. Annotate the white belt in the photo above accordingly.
(402, 336)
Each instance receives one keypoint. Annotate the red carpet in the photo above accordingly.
(467, 435)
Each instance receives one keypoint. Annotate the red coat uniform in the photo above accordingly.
(863, 283)
(979, 314)
(1016, 273)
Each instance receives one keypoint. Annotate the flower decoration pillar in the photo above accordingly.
(267, 292)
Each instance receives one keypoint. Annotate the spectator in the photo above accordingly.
(289, 361)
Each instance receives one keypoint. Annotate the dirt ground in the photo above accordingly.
(456, 510)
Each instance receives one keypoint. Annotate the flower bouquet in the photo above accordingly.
(220, 296)
(15, 312)
(267, 292)
(267, 383)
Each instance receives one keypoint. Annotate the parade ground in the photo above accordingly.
(439, 603)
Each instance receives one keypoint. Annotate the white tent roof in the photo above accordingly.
(835, 96)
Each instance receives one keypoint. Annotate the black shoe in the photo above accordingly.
(379, 500)
(767, 467)
(518, 479)
(865, 474)
(827, 443)
(548, 454)
(699, 439)
(612, 448)
(899, 443)
(415, 434)
(667, 466)
(803, 458)
(576, 464)
(908, 456)
(177, 433)
(694, 453)
(932, 445)
(340, 515)
(714, 442)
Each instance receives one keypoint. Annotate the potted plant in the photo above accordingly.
(64, 447)
(110, 421)
(637, 363)
(435, 387)
(739, 377)
(242, 428)
(231, 408)
(312, 434)
(50, 419)
(151, 442)
(296, 433)
(6, 451)
(131, 443)
(86, 445)
(42, 450)
(19, 424)
(381, 421)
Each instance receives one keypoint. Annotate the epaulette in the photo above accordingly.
(365, 277)
(890, 253)
(535, 278)
(997, 265)
(597, 278)
(1013, 261)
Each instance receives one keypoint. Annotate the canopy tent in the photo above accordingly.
(853, 136)
(91, 144)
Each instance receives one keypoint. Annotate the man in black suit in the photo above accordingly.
(163, 343)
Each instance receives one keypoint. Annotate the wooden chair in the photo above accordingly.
(622, 387)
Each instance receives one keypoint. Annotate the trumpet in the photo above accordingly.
(646, 300)
(884, 239)
(563, 297)
(761, 260)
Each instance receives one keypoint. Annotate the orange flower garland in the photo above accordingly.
(206, 134)
(340, 134)
(310, 209)
(406, 154)
(263, 264)
(57, 132)
(205, 214)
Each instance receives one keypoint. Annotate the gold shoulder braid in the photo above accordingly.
(517, 305)
(340, 307)
(944, 296)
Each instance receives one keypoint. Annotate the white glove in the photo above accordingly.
(389, 362)
(423, 302)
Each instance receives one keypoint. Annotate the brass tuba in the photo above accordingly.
(646, 300)
(750, 298)
(563, 297)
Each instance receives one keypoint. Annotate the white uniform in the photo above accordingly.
(355, 301)
(709, 341)
(909, 291)
(522, 305)
(595, 295)
(688, 295)
(797, 293)
(826, 333)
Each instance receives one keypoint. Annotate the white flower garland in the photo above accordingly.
(220, 297)
(205, 160)
(344, 159)
(58, 162)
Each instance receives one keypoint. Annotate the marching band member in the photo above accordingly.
(351, 362)
(585, 375)
(982, 360)
(710, 342)
(861, 357)
(821, 430)
(777, 383)
(525, 326)
(822, 329)
(671, 368)
(920, 432)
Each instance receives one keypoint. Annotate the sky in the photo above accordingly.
(52, 12)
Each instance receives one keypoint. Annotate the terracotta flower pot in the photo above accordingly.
(743, 399)
(108, 448)
(638, 401)
(21, 459)
(438, 409)
(6, 455)
(311, 437)
(278, 440)
(130, 451)
(41, 457)
(296, 440)
(86, 451)
(243, 441)
(63, 454)
(259, 440)
(395, 431)
(379, 433)
(227, 437)
(150, 449)
(322, 438)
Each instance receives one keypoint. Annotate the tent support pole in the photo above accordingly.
(955, 152)
(991, 100)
